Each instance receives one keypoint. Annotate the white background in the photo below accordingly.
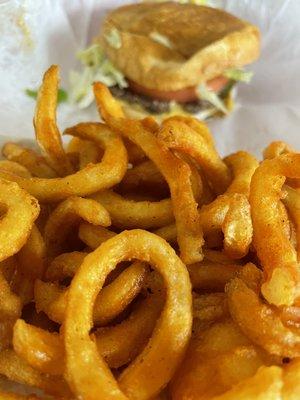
(268, 109)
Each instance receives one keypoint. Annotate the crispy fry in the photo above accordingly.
(46, 130)
(291, 382)
(78, 299)
(210, 307)
(276, 149)
(127, 213)
(168, 232)
(259, 321)
(14, 168)
(6, 333)
(266, 384)
(89, 154)
(91, 179)
(215, 256)
(30, 264)
(177, 134)
(121, 343)
(14, 368)
(14, 396)
(135, 153)
(237, 227)
(144, 175)
(41, 349)
(164, 349)
(292, 202)
(111, 301)
(220, 354)
(118, 344)
(107, 104)
(10, 305)
(93, 235)
(68, 214)
(229, 212)
(31, 258)
(211, 276)
(277, 256)
(33, 162)
(175, 171)
(243, 165)
(19, 206)
(65, 265)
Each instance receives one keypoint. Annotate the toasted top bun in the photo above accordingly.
(204, 42)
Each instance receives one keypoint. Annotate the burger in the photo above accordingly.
(169, 58)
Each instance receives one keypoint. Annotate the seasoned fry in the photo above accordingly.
(211, 276)
(220, 353)
(66, 216)
(164, 349)
(276, 149)
(91, 310)
(14, 168)
(34, 163)
(168, 232)
(30, 265)
(12, 396)
(118, 344)
(14, 368)
(19, 206)
(46, 131)
(179, 135)
(277, 255)
(175, 171)
(41, 349)
(93, 235)
(292, 202)
(91, 179)
(127, 213)
(237, 227)
(31, 258)
(243, 165)
(10, 307)
(260, 322)
(65, 265)
(266, 384)
(89, 154)
(111, 301)
(209, 307)
(144, 175)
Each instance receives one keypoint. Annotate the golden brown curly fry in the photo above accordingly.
(176, 172)
(46, 131)
(258, 320)
(177, 134)
(68, 215)
(277, 255)
(113, 299)
(33, 162)
(90, 179)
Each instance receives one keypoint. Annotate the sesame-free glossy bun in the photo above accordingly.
(204, 42)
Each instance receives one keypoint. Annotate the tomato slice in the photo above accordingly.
(181, 96)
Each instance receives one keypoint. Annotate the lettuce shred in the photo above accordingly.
(238, 74)
(212, 97)
(96, 67)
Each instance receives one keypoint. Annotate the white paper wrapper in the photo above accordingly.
(37, 33)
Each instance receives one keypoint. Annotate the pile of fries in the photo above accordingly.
(138, 264)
